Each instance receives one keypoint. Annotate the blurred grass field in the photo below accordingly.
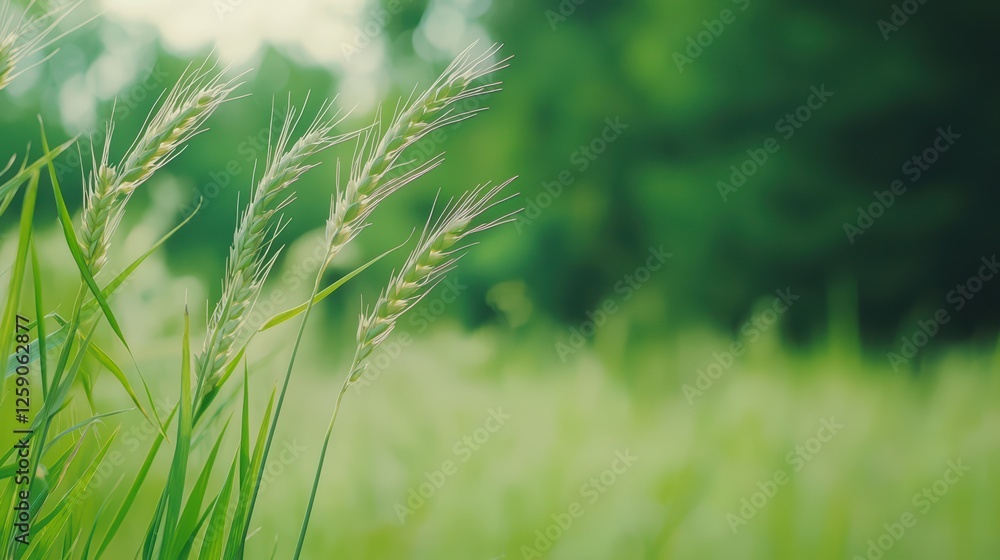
(565, 425)
(694, 463)
(552, 465)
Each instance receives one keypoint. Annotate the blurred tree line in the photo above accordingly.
(758, 141)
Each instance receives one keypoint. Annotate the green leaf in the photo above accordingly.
(153, 532)
(10, 187)
(72, 498)
(43, 418)
(182, 448)
(40, 345)
(189, 518)
(185, 550)
(56, 339)
(133, 491)
(5, 202)
(279, 319)
(53, 341)
(111, 366)
(248, 490)
(9, 318)
(211, 547)
(85, 555)
(84, 424)
(245, 426)
(74, 247)
(297, 310)
(62, 384)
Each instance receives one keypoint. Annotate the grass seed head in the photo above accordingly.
(250, 258)
(378, 154)
(436, 253)
(180, 117)
(23, 36)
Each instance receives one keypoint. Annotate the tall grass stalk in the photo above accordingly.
(379, 155)
(186, 510)
(250, 260)
(179, 118)
(437, 252)
(194, 98)
(376, 158)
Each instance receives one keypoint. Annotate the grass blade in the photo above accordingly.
(73, 496)
(10, 187)
(83, 424)
(245, 426)
(211, 547)
(36, 277)
(116, 371)
(299, 309)
(85, 555)
(133, 491)
(74, 247)
(9, 318)
(248, 490)
(53, 341)
(189, 520)
(283, 317)
(178, 469)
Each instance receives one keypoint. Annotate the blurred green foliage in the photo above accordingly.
(655, 184)
(694, 94)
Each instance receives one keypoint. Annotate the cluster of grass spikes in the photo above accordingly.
(192, 517)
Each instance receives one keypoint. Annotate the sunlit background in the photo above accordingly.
(749, 309)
